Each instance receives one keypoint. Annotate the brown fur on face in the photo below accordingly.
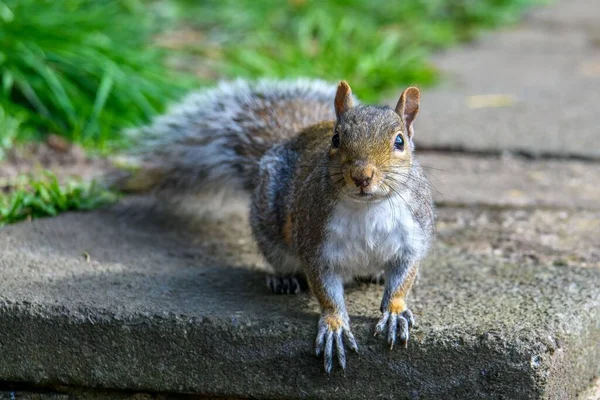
(367, 135)
(367, 160)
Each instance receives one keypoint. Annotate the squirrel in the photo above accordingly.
(335, 190)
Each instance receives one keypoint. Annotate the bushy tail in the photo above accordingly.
(214, 139)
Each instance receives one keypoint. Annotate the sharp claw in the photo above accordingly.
(319, 350)
(392, 327)
(409, 317)
(339, 348)
(295, 286)
(382, 323)
(328, 366)
(320, 342)
(403, 326)
(286, 285)
(351, 340)
(270, 283)
(328, 356)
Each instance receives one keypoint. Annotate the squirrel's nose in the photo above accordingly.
(363, 175)
(361, 179)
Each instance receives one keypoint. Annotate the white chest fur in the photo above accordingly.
(362, 237)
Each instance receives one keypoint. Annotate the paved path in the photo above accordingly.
(549, 67)
(508, 304)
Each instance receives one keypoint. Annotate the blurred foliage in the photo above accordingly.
(377, 45)
(80, 68)
(87, 69)
(10, 128)
(32, 197)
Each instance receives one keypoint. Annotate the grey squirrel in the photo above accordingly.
(335, 190)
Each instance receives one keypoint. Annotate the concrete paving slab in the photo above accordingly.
(548, 80)
(502, 181)
(524, 236)
(591, 393)
(578, 14)
(70, 393)
(154, 308)
(14, 395)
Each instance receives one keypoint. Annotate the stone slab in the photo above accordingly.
(69, 393)
(512, 181)
(105, 301)
(567, 238)
(578, 14)
(547, 71)
(591, 393)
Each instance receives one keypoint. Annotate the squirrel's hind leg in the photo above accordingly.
(287, 284)
(287, 276)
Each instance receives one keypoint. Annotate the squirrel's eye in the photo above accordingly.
(335, 141)
(399, 143)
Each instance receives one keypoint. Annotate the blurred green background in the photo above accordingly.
(86, 69)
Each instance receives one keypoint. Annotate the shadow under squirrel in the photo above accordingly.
(336, 192)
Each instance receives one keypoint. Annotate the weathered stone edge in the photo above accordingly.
(579, 360)
(49, 346)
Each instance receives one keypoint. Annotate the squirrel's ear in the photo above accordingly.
(408, 107)
(343, 99)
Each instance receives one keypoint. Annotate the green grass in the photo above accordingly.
(32, 197)
(377, 45)
(10, 129)
(83, 69)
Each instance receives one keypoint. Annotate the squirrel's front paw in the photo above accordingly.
(397, 325)
(333, 329)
